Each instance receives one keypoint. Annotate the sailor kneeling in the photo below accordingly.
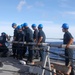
(3, 47)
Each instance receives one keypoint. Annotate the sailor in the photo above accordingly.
(22, 27)
(3, 47)
(68, 40)
(5, 36)
(14, 45)
(41, 39)
(24, 46)
(1, 50)
(35, 37)
(29, 38)
(20, 36)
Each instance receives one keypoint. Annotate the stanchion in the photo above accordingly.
(47, 60)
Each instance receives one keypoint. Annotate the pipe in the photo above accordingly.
(45, 44)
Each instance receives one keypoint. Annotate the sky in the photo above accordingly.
(51, 13)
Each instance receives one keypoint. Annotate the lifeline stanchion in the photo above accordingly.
(47, 60)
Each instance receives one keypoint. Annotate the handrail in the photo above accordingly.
(45, 44)
(55, 38)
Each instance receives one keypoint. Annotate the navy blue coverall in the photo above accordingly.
(68, 51)
(14, 45)
(41, 34)
(29, 38)
(3, 48)
(19, 45)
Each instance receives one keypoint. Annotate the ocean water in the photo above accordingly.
(59, 51)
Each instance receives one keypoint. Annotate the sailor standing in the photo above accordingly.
(68, 40)
(20, 45)
(35, 37)
(41, 39)
(29, 38)
(14, 45)
(24, 40)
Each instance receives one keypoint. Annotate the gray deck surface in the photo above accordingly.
(12, 66)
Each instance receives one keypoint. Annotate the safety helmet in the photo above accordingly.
(33, 25)
(19, 27)
(25, 24)
(3, 33)
(14, 24)
(65, 26)
(22, 25)
(40, 26)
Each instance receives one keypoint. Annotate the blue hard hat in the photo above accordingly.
(19, 27)
(22, 25)
(33, 25)
(40, 26)
(14, 24)
(65, 26)
(25, 24)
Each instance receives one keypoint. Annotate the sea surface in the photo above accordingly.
(59, 51)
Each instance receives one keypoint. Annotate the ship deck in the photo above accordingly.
(12, 66)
